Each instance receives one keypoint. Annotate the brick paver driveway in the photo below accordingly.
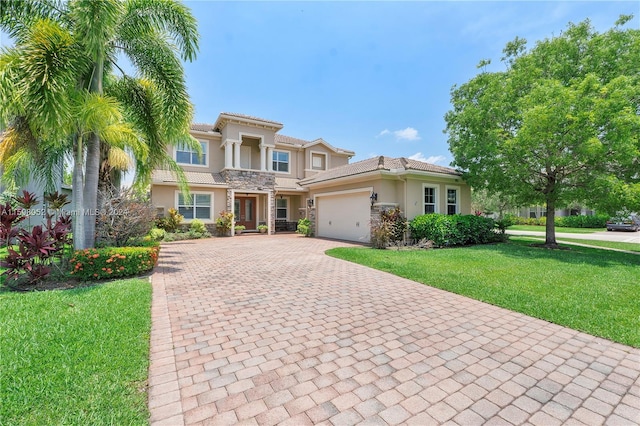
(269, 330)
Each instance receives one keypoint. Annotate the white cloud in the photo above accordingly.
(409, 134)
(434, 159)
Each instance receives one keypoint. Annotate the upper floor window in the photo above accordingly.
(185, 155)
(280, 161)
(452, 201)
(318, 161)
(430, 199)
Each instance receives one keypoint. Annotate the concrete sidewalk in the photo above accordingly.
(269, 330)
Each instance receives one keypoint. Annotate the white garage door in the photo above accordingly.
(344, 216)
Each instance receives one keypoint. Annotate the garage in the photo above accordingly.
(344, 215)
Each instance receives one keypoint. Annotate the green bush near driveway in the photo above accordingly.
(113, 262)
(592, 290)
(454, 230)
(76, 357)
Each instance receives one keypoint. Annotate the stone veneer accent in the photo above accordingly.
(251, 180)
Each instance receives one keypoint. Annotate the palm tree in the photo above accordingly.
(154, 35)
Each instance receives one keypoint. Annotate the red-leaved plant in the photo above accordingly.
(9, 218)
(36, 250)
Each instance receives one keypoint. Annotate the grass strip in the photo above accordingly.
(76, 356)
(592, 290)
(635, 247)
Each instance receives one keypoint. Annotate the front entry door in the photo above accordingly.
(245, 211)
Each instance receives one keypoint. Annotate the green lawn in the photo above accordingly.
(75, 356)
(538, 228)
(605, 244)
(592, 290)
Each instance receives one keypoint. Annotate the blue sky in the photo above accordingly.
(373, 77)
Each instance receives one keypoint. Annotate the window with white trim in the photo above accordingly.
(198, 207)
(185, 155)
(281, 208)
(452, 201)
(430, 199)
(318, 161)
(280, 161)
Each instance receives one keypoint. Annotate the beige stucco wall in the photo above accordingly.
(215, 155)
(234, 131)
(391, 190)
(415, 195)
(165, 196)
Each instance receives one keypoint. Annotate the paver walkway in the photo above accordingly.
(269, 330)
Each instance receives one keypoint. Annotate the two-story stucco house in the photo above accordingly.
(268, 178)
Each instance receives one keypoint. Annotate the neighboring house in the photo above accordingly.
(268, 178)
(536, 212)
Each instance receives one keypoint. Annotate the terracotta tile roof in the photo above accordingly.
(288, 140)
(194, 178)
(202, 127)
(250, 117)
(378, 163)
(283, 184)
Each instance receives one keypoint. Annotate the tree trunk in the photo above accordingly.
(77, 196)
(92, 167)
(550, 238)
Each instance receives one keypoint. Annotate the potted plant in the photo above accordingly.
(263, 228)
(239, 229)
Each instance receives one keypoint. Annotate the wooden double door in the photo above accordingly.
(244, 209)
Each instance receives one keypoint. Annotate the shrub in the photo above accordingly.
(304, 227)
(123, 216)
(397, 223)
(197, 226)
(9, 218)
(37, 251)
(172, 222)
(582, 221)
(390, 228)
(157, 234)
(224, 223)
(113, 262)
(454, 230)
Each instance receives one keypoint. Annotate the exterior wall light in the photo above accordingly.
(373, 197)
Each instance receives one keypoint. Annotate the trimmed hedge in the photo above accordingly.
(582, 221)
(578, 221)
(454, 230)
(113, 262)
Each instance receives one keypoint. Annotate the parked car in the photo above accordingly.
(628, 223)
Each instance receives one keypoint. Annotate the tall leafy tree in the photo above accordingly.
(560, 124)
(155, 35)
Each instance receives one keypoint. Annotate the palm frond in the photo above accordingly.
(17, 16)
(95, 24)
(17, 168)
(47, 76)
(119, 159)
(123, 135)
(166, 16)
(154, 56)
